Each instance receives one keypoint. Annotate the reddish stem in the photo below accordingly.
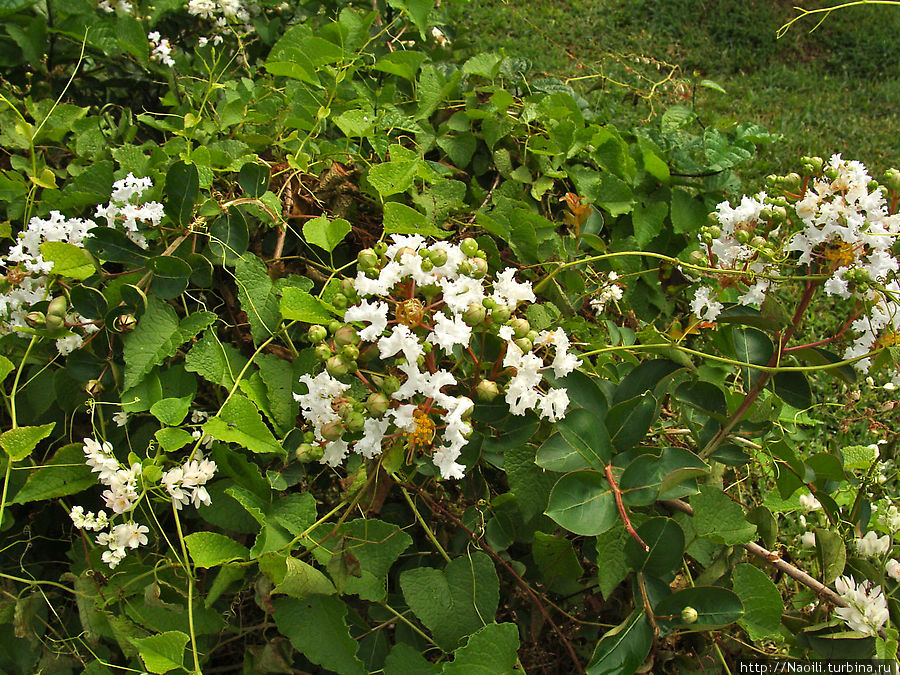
(617, 493)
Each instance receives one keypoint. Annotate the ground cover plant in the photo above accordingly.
(326, 348)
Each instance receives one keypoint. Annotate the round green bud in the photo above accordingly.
(35, 319)
(346, 335)
(317, 334)
(307, 453)
(125, 323)
(377, 404)
(689, 615)
(380, 248)
(427, 265)
(758, 242)
(464, 268)
(715, 231)
(333, 326)
(58, 306)
(706, 237)
(350, 352)
(520, 327)
(479, 267)
(390, 384)
(332, 431)
(487, 391)
(524, 344)
(336, 366)
(427, 347)
(367, 353)
(54, 324)
(742, 236)
(309, 437)
(468, 246)
(339, 300)
(474, 315)
(501, 313)
(489, 302)
(532, 336)
(355, 422)
(372, 273)
(438, 257)
(366, 259)
(323, 351)
(831, 173)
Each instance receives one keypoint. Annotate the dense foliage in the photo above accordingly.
(325, 349)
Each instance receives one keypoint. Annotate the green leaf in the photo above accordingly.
(214, 360)
(491, 650)
(583, 503)
(209, 549)
(279, 378)
(294, 577)
(6, 367)
(624, 648)
(688, 214)
(19, 442)
(171, 439)
(376, 545)
(762, 602)
(406, 660)
(649, 477)
(171, 411)
(716, 607)
(793, 389)
(401, 219)
(317, 627)
(228, 237)
(580, 443)
(112, 245)
(831, 554)
(666, 541)
(647, 220)
(170, 276)
(718, 518)
(530, 484)
(254, 179)
(555, 557)
(751, 346)
(390, 178)
(859, 457)
(416, 10)
(456, 601)
(163, 652)
(157, 336)
(89, 302)
(64, 474)
(326, 233)
(258, 297)
(68, 260)
(239, 421)
(403, 64)
(298, 305)
(629, 421)
(182, 192)
(612, 567)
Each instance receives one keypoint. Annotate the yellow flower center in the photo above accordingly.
(840, 252)
(889, 339)
(410, 312)
(422, 436)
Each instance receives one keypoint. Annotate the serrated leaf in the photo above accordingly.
(325, 233)
(64, 474)
(239, 421)
(317, 627)
(612, 567)
(390, 178)
(163, 652)
(18, 443)
(376, 545)
(489, 651)
(68, 260)
(157, 336)
(171, 411)
(718, 518)
(214, 360)
(258, 297)
(298, 305)
(209, 549)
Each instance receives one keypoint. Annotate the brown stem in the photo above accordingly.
(617, 493)
(521, 582)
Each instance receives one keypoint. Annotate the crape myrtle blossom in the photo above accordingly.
(837, 223)
(866, 611)
(125, 487)
(872, 545)
(415, 314)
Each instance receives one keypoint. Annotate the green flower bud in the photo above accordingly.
(377, 404)
(333, 326)
(468, 246)
(380, 248)
(35, 319)
(489, 302)
(427, 266)
(58, 306)
(520, 327)
(479, 267)
(336, 366)
(757, 242)
(438, 257)
(715, 231)
(524, 344)
(317, 334)
(307, 453)
(390, 384)
(532, 336)
(346, 335)
(892, 179)
(332, 431)
(339, 300)
(366, 259)
(355, 422)
(742, 236)
(831, 173)
(501, 313)
(323, 352)
(125, 323)
(309, 437)
(464, 268)
(689, 615)
(55, 324)
(474, 315)
(350, 352)
(487, 391)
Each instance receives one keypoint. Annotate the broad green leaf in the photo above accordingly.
(317, 627)
(647, 220)
(688, 214)
(254, 179)
(859, 457)
(298, 305)
(716, 607)
(403, 63)
(583, 503)
(157, 336)
(793, 389)
(629, 421)
(376, 545)
(326, 233)
(555, 557)
(649, 477)
(171, 411)
(239, 421)
(492, 650)
(390, 178)
(416, 10)
(762, 602)
(831, 554)
(171, 439)
(209, 549)
(294, 577)
(64, 474)
(228, 237)
(650, 376)
(258, 296)
(718, 518)
(171, 276)
(580, 443)
(530, 484)
(279, 377)
(182, 192)
(68, 260)
(89, 302)
(624, 648)
(6, 367)
(666, 541)
(19, 442)
(214, 360)
(163, 652)
(401, 219)
(456, 601)
(406, 660)
(751, 346)
(612, 567)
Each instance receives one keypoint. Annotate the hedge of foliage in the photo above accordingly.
(326, 350)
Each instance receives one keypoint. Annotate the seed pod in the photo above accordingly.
(336, 366)
(377, 404)
(474, 315)
(58, 306)
(332, 431)
(35, 319)
(346, 335)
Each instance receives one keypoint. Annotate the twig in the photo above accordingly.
(617, 493)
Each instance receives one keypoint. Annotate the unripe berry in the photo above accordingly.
(346, 335)
(742, 236)
(333, 326)
(336, 366)
(323, 352)
(307, 453)
(332, 431)
(474, 315)
(689, 615)
(366, 259)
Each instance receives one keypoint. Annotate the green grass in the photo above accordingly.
(834, 90)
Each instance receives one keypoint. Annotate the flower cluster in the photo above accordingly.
(125, 487)
(412, 310)
(123, 206)
(835, 223)
(609, 292)
(866, 611)
(161, 50)
(872, 545)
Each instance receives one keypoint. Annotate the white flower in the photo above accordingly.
(873, 545)
(553, 405)
(809, 503)
(508, 291)
(703, 306)
(374, 313)
(808, 539)
(866, 611)
(120, 418)
(893, 569)
(449, 332)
